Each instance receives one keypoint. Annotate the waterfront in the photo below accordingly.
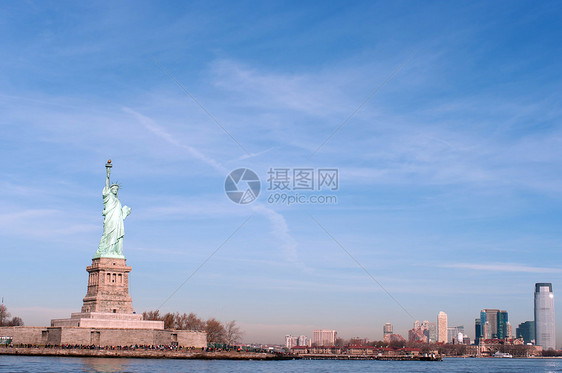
(34, 364)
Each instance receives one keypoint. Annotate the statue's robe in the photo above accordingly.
(111, 243)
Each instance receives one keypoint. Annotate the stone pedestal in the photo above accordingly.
(108, 287)
(107, 303)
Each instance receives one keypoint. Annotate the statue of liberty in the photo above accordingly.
(111, 243)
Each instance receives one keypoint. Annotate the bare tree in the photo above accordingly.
(341, 342)
(5, 319)
(233, 334)
(194, 323)
(152, 315)
(168, 318)
(397, 344)
(169, 321)
(4, 315)
(180, 321)
(16, 321)
(215, 331)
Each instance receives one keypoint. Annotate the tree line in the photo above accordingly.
(217, 332)
(448, 349)
(6, 318)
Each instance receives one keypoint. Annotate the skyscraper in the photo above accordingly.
(387, 331)
(545, 331)
(442, 327)
(509, 331)
(432, 332)
(491, 317)
(477, 331)
(486, 330)
(324, 337)
(453, 334)
(419, 333)
(526, 331)
(501, 325)
(484, 325)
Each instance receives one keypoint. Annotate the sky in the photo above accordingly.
(442, 119)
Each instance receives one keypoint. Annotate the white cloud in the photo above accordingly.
(317, 94)
(162, 133)
(502, 267)
(280, 232)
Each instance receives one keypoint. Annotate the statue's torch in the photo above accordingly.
(108, 166)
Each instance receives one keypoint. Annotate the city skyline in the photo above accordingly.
(441, 120)
(492, 324)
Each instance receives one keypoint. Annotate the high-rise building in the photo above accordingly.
(303, 340)
(526, 331)
(492, 319)
(486, 330)
(484, 325)
(425, 328)
(442, 327)
(477, 331)
(453, 333)
(387, 331)
(509, 331)
(493, 323)
(501, 324)
(290, 341)
(545, 331)
(397, 338)
(432, 332)
(324, 337)
(419, 333)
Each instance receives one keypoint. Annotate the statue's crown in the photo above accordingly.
(116, 184)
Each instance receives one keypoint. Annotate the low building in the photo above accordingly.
(60, 336)
(515, 347)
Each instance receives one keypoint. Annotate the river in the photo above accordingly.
(34, 364)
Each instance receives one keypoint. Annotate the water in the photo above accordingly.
(34, 364)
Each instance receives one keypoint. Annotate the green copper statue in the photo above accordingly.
(111, 243)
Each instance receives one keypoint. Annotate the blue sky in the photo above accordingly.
(450, 174)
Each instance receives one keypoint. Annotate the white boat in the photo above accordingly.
(503, 355)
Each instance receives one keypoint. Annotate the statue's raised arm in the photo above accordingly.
(108, 173)
(111, 243)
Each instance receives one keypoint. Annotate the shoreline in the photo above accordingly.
(143, 354)
(192, 354)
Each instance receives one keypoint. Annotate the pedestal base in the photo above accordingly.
(107, 320)
(108, 287)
